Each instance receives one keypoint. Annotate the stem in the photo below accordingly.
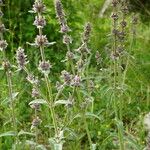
(50, 97)
(36, 129)
(116, 73)
(51, 107)
(71, 62)
(9, 82)
(87, 131)
(8, 74)
(84, 121)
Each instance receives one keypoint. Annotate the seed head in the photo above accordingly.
(125, 10)
(44, 67)
(64, 28)
(134, 19)
(66, 77)
(35, 106)
(121, 35)
(39, 6)
(3, 45)
(67, 39)
(76, 81)
(6, 64)
(83, 49)
(2, 28)
(115, 32)
(59, 9)
(115, 3)
(41, 40)
(21, 58)
(114, 16)
(69, 55)
(36, 122)
(87, 32)
(35, 92)
(39, 22)
(123, 23)
(120, 49)
(115, 55)
(61, 16)
(32, 79)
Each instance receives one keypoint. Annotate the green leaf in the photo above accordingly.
(1, 68)
(25, 133)
(9, 133)
(93, 146)
(39, 101)
(89, 114)
(58, 146)
(62, 102)
(41, 147)
(8, 99)
(28, 142)
(55, 145)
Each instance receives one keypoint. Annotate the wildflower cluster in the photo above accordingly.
(61, 17)
(119, 31)
(21, 58)
(83, 50)
(44, 67)
(67, 39)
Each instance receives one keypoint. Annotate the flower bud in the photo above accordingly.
(44, 67)
(76, 81)
(38, 6)
(39, 22)
(87, 31)
(36, 122)
(3, 45)
(66, 77)
(2, 28)
(21, 58)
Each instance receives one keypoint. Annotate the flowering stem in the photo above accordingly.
(51, 100)
(50, 97)
(9, 82)
(36, 129)
(84, 120)
(71, 62)
(115, 70)
(8, 74)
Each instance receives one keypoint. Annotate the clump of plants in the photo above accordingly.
(63, 110)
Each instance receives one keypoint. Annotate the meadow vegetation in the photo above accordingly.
(72, 78)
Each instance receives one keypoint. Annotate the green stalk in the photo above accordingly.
(116, 69)
(70, 62)
(84, 121)
(9, 82)
(49, 88)
(36, 129)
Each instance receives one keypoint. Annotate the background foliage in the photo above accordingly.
(136, 104)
